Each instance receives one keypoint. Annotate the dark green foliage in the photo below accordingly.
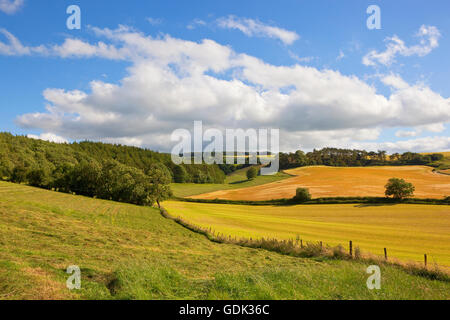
(112, 172)
(159, 178)
(252, 173)
(19, 174)
(125, 184)
(180, 174)
(38, 178)
(83, 179)
(436, 156)
(399, 188)
(302, 195)
(230, 168)
(23, 152)
(62, 177)
(353, 158)
(330, 200)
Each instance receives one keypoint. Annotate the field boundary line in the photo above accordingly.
(318, 201)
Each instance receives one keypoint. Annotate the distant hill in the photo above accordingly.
(444, 153)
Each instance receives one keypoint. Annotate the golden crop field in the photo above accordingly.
(407, 231)
(342, 182)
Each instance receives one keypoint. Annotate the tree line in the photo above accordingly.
(141, 176)
(30, 155)
(106, 171)
(109, 180)
(353, 158)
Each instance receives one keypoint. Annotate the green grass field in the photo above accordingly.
(236, 180)
(443, 164)
(131, 252)
(408, 231)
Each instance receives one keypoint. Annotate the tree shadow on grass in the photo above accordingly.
(364, 205)
(239, 182)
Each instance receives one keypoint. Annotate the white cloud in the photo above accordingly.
(255, 28)
(340, 56)
(394, 81)
(300, 59)
(11, 6)
(435, 128)
(154, 21)
(15, 48)
(429, 40)
(76, 48)
(48, 137)
(426, 144)
(173, 82)
(195, 23)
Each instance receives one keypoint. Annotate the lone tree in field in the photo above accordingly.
(252, 173)
(399, 189)
(302, 195)
(160, 179)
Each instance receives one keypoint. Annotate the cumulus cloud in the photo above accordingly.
(75, 48)
(426, 144)
(48, 137)
(435, 128)
(255, 28)
(173, 82)
(429, 40)
(11, 6)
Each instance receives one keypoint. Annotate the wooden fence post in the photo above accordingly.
(385, 254)
(301, 243)
(351, 248)
(321, 245)
(425, 259)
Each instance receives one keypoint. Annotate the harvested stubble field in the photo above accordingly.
(408, 231)
(342, 182)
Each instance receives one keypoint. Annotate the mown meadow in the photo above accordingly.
(408, 231)
(236, 180)
(133, 252)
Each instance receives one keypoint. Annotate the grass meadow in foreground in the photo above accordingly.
(131, 252)
(408, 231)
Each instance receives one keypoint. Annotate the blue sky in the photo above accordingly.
(310, 68)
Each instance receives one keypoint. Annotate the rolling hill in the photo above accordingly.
(131, 252)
